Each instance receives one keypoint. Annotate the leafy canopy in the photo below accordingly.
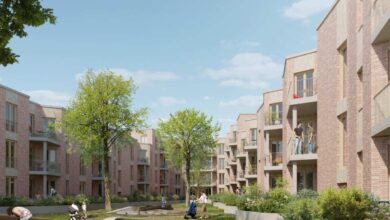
(14, 16)
(188, 134)
(101, 114)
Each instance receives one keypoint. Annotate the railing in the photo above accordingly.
(143, 160)
(240, 150)
(274, 159)
(11, 125)
(302, 93)
(273, 118)
(241, 174)
(382, 105)
(306, 146)
(44, 134)
(164, 166)
(251, 143)
(39, 165)
(163, 182)
(251, 170)
(233, 179)
(143, 179)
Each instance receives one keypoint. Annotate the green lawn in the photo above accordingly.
(179, 210)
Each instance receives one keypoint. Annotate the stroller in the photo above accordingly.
(191, 213)
(73, 212)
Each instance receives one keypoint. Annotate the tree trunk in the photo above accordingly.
(107, 184)
(188, 181)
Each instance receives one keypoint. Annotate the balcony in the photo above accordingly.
(274, 161)
(251, 145)
(381, 21)
(42, 136)
(251, 172)
(304, 100)
(163, 166)
(241, 176)
(164, 182)
(381, 125)
(233, 180)
(273, 121)
(143, 179)
(305, 153)
(241, 153)
(37, 167)
(98, 175)
(143, 161)
(208, 167)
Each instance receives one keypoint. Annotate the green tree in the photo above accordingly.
(14, 16)
(189, 136)
(101, 116)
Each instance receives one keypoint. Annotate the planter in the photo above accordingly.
(245, 215)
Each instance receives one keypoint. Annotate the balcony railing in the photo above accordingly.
(274, 159)
(44, 134)
(382, 105)
(11, 125)
(164, 166)
(251, 143)
(143, 179)
(273, 118)
(240, 150)
(251, 170)
(39, 165)
(233, 140)
(143, 160)
(163, 182)
(305, 146)
(241, 175)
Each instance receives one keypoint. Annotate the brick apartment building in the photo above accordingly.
(340, 94)
(36, 159)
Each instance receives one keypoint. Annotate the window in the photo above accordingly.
(234, 136)
(67, 163)
(82, 168)
(82, 187)
(67, 187)
(31, 124)
(177, 191)
(10, 186)
(131, 173)
(221, 149)
(48, 124)
(144, 139)
(304, 86)
(221, 178)
(343, 70)
(276, 111)
(221, 164)
(253, 136)
(10, 117)
(243, 142)
(119, 157)
(119, 178)
(10, 154)
(177, 179)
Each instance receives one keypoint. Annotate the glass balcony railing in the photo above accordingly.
(44, 134)
(273, 118)
(306, 146)
(251, 143)
(274, 159)
(251, 170)
(143, 179)
(51, 166)
(143, 160)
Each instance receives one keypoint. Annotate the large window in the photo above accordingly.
(31, 123)
(48, 124)
(221, 178)
(276, 114)
(82, 168)
(253, 136)
(304, 85)
(221, 149)
(10, 117)
(221, 164)
(9, 186)
(10, 154)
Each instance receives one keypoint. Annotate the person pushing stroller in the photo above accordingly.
(191, 213)
(73, 212)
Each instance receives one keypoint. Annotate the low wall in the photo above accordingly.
(244, 215)
(64, 208)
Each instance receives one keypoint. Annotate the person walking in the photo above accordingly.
(203, 201)
(298, 138)
(20, 212)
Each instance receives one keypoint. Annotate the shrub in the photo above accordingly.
(118, 199)
(7, 201)
(378, 210)
(307, 193)
(275, 201)
(344, 204)
(175, 197)
(301, 209)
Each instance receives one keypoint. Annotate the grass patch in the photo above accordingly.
(179, 210)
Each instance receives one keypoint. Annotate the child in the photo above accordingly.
(73, 211)
(20, 212)
(84, 209)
